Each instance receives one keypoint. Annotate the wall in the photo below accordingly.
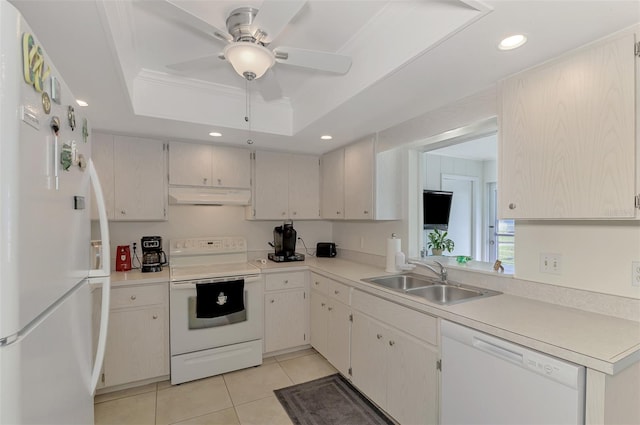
(201, 221)
(597, 255)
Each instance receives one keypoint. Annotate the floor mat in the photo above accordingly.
(329, 400)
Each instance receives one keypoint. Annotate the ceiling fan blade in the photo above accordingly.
(273, 16)
(173, 9)
(269, 87)
(203, 62)
(314, 59)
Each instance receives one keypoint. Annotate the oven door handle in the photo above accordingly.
(192, 284)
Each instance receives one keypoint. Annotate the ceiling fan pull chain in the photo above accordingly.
(247, 116)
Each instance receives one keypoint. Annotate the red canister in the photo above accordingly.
(123, 258)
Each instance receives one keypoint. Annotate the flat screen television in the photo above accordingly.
(436, 206)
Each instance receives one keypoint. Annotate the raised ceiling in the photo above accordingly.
(127, 59)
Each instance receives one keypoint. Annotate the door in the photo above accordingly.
(231, 167)
(333, 185)
(271, 188)
(189, 164)
(304, 187)
(319, 318)
(462, 221)
(369, 357)
(339, 336)
(285, 324)
(358, 180)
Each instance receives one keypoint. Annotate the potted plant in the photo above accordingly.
(439, 242)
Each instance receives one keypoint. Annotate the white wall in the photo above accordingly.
(596, 255)
(201, 221)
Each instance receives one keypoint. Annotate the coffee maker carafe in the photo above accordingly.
(153, 257)
(284, 243)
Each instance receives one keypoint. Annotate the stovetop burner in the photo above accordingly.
(284, 259)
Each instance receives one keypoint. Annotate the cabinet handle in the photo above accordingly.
(379, 336)
(338, 212)
(155, 316)
(322, 305)
(392, 343)
(204, 180)
(316, 283)
(272, 301)
(284, 213)
(286, 281)
(330, 308)
(366, 212)
(133, 297)
(512, 206)
(336, 292)
(123, 212)
(294, 213)
(219, 182)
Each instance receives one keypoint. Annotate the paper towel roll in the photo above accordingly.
(393, 247)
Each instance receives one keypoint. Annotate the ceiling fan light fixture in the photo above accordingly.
(249, 59)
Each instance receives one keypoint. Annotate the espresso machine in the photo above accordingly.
(153, 257)
(284, 244)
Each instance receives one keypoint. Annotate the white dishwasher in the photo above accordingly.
(486, 380)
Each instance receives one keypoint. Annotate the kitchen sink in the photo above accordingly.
(403, 282)
(451, 294)
(430, 289)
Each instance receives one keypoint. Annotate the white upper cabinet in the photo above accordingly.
(133, 176)
(371, 188)
(286, 186)
(568, 136)
(192, 164)
(332, 171)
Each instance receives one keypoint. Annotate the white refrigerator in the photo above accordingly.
(48, 365)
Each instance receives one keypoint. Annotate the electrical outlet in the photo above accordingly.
(550, 263)
(635, 273)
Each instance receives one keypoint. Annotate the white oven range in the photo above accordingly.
(202, 347)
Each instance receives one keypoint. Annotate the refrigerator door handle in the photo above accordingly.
(104, 224)
(102, 337)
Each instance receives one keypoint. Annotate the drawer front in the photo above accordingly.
(137, 296)
(288, 280)
(320, 283)
(340, 292)
(413, 322)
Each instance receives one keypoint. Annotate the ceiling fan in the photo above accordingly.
(248, 35)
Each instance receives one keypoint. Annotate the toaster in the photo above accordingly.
(326, 249)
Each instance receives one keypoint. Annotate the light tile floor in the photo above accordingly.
(243, 397)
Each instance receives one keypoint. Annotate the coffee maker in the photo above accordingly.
(153, 257)
(284, 244)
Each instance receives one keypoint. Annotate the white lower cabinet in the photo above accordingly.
(331, 321)
(138, 337)
(286, 309)
(394, 358)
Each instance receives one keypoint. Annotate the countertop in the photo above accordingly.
(604, 343)
(136, 277)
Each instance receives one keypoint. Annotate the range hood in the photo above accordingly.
(208, 196)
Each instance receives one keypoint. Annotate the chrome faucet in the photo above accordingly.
(442, 273)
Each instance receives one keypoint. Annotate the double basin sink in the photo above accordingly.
(432, 290)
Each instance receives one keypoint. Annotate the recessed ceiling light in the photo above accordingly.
(81, 102)
(512, 42)
(326, 137)
(215, 134)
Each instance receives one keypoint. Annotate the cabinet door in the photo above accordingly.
(358, 180)
(140, 179)
(190, 164)
(567, 137)
(369, 357)
(102, 156)
(285, 320)
(319, 321)
(332, 170)
(304, 187)
(271, 188)
(231, 167)
(339, 336)
(412, 391)
(136, 346)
